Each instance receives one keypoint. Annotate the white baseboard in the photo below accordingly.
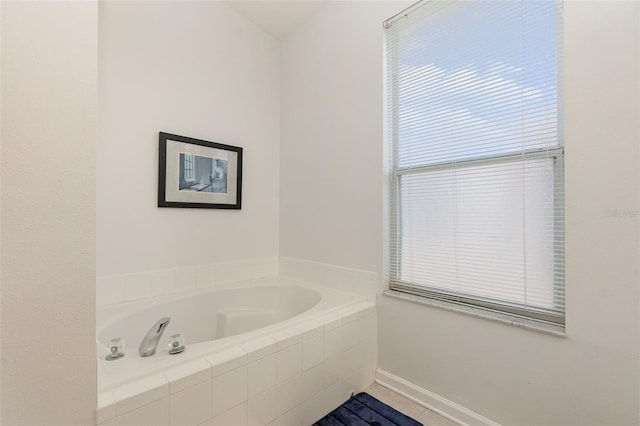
(432, 401)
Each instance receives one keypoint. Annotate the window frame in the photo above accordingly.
(551, 317)
(189, 168)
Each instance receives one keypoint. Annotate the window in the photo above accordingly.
(189, 174)
(477, 186)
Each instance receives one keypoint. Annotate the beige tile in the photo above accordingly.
(262, 409)
(356, 380)
(331, 321)
(154, 414)
(236, 416)
(378, 391)
(229, 390)
(404, 405)
(262, 375)
(191, 406)
(227, 360)
(395, 400)
(350, 335)
(135, 395)
(259, 348)
(351, 360)
(312, 351)
(289, 362)
(368, 325)
(289, 394)
(287, 338)
(408, 407)
(334, 369)
(336, 395)
(313, 381)
(430, 418)
(315, 408)
(290, 418)
(332, 342)
(350, 315)
(188, 375)
(309, 329)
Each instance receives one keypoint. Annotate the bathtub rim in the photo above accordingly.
(184, 293)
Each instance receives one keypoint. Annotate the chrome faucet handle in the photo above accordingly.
(176, 345)
(115, 348)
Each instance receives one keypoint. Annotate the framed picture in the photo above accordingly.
(194, 173)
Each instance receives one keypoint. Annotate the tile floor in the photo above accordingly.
(408, 407)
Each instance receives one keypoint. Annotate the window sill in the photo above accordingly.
(516, 321)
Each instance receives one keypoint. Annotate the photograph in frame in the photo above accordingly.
(195, 173)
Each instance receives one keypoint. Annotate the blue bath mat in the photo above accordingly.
(364, 410)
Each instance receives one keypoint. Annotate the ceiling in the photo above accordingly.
(276, 17)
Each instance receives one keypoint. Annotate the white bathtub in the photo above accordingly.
(207, 316)
(210, 320)
(267, 352)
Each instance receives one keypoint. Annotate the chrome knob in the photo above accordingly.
(176, 345)
(115, 349)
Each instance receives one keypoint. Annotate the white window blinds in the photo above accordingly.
(477, 186)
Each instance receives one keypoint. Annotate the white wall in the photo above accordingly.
(0, 211)
(331, 179)
(49, 95)
(331, 148)
(195, 69)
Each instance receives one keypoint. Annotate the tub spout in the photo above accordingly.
(150, 342)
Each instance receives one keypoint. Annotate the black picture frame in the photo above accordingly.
(194, 173)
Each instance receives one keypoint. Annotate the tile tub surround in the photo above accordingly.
(292, 376)
(118, 288)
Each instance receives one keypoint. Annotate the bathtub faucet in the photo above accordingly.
(150, 341)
